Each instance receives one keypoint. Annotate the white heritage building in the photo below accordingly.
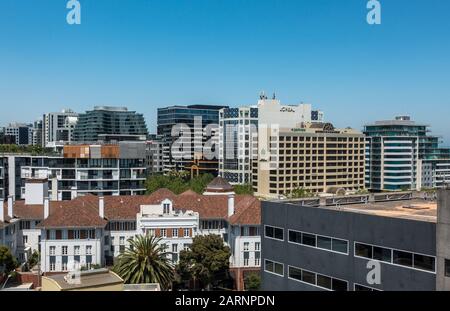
(93, 230)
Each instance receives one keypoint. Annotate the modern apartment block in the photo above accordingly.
(238, 135)
(184, 131)
(389, 242)
(316, 157)
(154, 155)
(94, 230)
(108, 120)
(58, 128)
(400, 155)
(96, 169)
(21, 133)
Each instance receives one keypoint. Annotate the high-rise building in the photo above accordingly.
(22, 133)
(37, 133)
(184, 131)
(154, 155)
(118, 169)
(400, 155)
(382, 241)
(58, 127)
(315, 157)
(238, 135)
(108, 121)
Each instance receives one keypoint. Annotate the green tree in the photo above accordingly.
(252, 281)
(243, 189)
(145, 261)
(32, 261)
(7, 261)
(206, 262)
(178, 182)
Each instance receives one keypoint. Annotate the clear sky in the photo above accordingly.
(146, 54)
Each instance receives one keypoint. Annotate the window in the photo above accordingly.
(175, 233)
(52, 263)
(447, 268)
(339, 285)
(166, 208)
(121, 248)
(363, 250)
(246, 245)
(174, 248)
(122, 240)
(88, 261)
(88, 250)
(309, 277)
(187, 232)
(164, 233)
(257, 258)
(362, 288)
(295, 273)
(25, 239)
(76, 250)
(274, 267)
(295, 237)
(64, 250)
(324, 281)
(340, 246)
(257, 246)
(246, 258)
(186, 247)
(64, 261)
(52, 250)
(274, 233)
(424, 262)
(382, 254)
(403, 258)
(309, 239)
(324, 242)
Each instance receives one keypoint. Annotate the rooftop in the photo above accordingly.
(93, 278)
(413, 209)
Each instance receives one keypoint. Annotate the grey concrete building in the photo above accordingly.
(339, 243)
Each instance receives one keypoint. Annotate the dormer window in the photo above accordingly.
(166, 208)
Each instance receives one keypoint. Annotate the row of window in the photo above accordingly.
(318, 241)
(76, 250)
(170, 233)
(388, 255)
(312, 278)
(394, 256)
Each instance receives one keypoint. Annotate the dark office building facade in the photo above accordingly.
(309, 247)
(184, 117)
(108, 121)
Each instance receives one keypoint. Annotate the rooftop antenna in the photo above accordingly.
(274, 96)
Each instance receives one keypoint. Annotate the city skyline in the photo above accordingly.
(225, 53)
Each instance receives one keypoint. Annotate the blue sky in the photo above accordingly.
(146, 54)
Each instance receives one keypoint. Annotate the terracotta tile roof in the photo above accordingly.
(74, 215)
(248, 212)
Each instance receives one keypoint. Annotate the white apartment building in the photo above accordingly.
(94, 230)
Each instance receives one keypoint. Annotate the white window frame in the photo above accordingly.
(282, 264)
(319, 248)
(315, 273)
(392, 257)
(271, 238)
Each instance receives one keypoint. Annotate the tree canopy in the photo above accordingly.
(145, 261)
(206, 262)
(252, 281)
(178, 182)
(7, 261)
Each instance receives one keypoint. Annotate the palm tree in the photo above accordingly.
(145, 261)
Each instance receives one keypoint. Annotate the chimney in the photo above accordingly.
(230, 205)
(101, 207)
(2, 214)
(10, 206)
(46, 208)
